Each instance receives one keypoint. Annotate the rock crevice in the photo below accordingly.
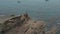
(23, 24)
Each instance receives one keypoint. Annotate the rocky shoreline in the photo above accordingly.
(23, 24)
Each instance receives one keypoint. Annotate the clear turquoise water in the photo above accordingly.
(35, 8)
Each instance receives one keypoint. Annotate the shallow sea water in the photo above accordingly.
(37, 9)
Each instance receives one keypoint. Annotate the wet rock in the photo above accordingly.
(24, 25)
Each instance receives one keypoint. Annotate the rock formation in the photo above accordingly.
(23, 24)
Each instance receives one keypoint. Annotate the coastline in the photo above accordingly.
(24, 23)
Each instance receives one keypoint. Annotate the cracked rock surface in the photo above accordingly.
(23, 24)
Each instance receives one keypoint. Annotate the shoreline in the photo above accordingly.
(26, 23)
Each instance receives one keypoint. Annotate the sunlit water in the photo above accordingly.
(37, 9)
